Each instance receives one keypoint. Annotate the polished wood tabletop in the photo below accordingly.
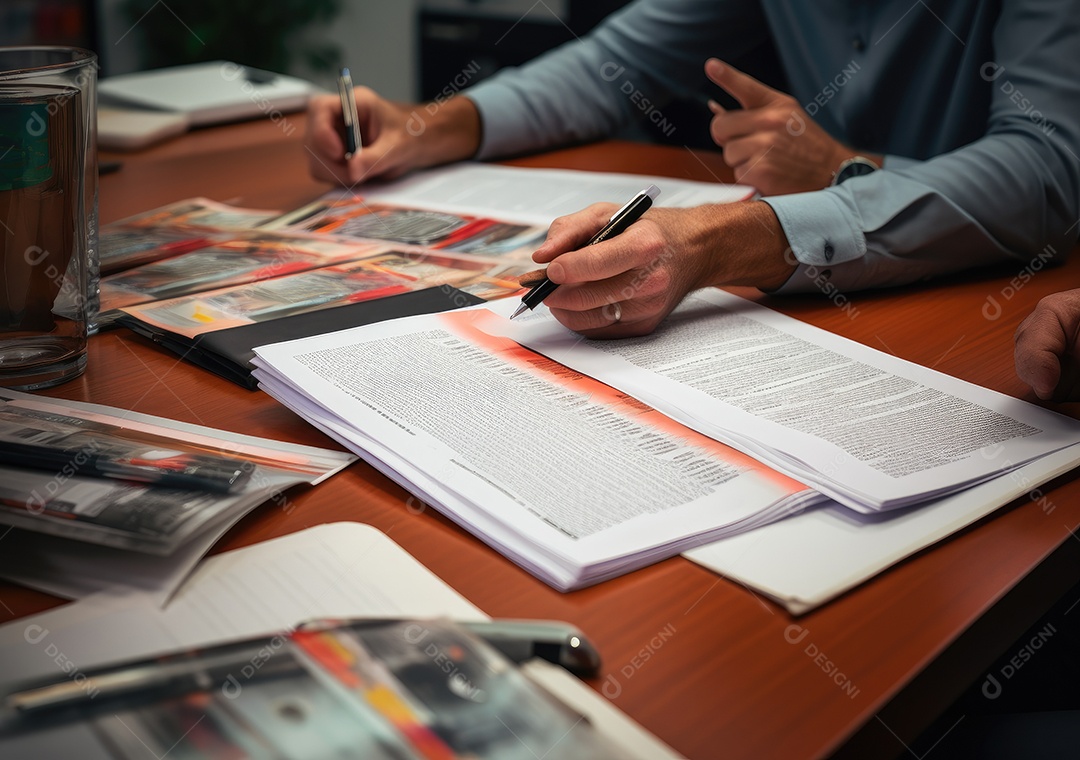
(704, 663)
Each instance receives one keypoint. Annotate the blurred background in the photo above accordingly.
(405, 49)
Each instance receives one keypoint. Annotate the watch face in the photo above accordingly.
(855, 167)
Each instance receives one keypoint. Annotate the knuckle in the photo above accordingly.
(777, 120)
(660, 281)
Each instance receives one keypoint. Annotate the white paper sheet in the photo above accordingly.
(870, 430)
(537, 196)
(805, 560)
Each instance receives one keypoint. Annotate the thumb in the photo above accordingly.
(1041, 369)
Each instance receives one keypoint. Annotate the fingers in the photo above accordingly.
(617, 288)
(601, 323)
(1044, 339)
(731, 125)
(568, 233)
(645, 287)
(535, 277)
(635, 248)
(323, 139)
(380, 155)
(744, 88)
(325, 126)
(1041, 369)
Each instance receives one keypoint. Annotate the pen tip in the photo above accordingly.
(519, 311)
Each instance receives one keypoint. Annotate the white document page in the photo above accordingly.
(805, 560)
(869, 429)
(583, 474)
(340, 570)
(537, 196)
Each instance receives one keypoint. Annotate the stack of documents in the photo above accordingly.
(578, 481)
(872, 431)
(570, 479)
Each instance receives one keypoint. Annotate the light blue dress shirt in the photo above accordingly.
(976, 106)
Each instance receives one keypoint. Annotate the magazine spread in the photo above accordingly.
(133, 481)
(201, 266)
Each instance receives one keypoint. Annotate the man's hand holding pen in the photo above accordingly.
(397, 138)
(642, 275)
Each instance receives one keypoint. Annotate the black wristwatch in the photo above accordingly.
(853, 167)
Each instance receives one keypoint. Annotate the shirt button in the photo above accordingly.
(858, 44)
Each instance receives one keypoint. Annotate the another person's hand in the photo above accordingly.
(1048, 347)
(771, 143)
(626, 285)
(397, 138)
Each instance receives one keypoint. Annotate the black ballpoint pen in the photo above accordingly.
(616, 225)
(353, 141)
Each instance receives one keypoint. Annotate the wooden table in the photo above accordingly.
(699, 660)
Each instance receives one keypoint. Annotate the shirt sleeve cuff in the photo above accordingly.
(821, 229)
(898, 163)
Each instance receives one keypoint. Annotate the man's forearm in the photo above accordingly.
(746, 245)
(449, 131)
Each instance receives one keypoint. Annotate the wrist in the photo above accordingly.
(747, 246)
(449, 131)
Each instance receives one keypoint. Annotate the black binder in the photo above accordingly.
(229, 352)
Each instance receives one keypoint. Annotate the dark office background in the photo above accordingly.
(406, 50)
